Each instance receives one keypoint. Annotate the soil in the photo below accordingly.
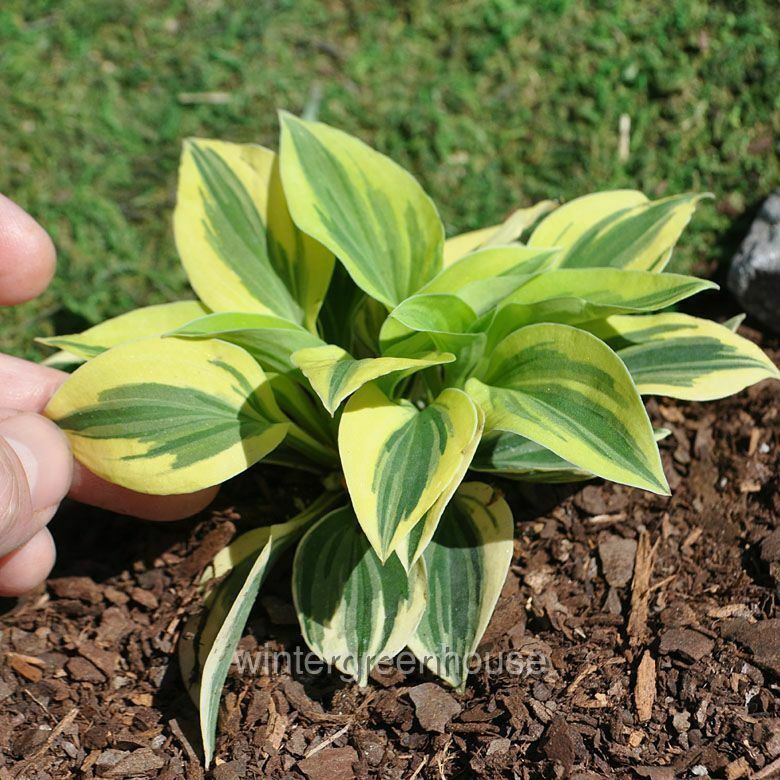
(656, 622)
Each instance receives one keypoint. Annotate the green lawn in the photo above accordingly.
(491, 103)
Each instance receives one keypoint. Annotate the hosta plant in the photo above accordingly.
(338, 332)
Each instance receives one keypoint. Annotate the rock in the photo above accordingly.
(617, 560)
(434, 707)
(686, 642)
(330, 763)
(762, 639)
(754, 276)
(498, 746)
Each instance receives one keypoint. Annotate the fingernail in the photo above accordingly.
(44, 454)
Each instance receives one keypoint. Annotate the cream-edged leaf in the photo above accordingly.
(334, 374)
(370, 212)
(621, 229)
(168, 416)
(354, 610)
(574, 295)
(508, 231)
(398, 460)
(566, 390)
(235, 238)
(466, 562)
(131, 326)
(269, 339)
(208, 643)
(686, 357)
(413, 545)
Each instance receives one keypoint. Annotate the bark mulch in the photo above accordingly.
(652, 622)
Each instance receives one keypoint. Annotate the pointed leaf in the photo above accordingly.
(467, 562)
(167, 416)
(208, 644)
(509, 230)
(685, 357)
(566, 390)
(621, 229)
(413, 545)
(397, 472)
(365, 208)
(354, 610)
(270, 340)
(489, 263)
(577, 295)
(132, 326)
(335, 374)
(237, 243)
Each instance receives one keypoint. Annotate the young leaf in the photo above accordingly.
(496, 235)
(365, 208)
(354, 610)
(413, 545)
(489, 263)
(208, 644)
(270, 340)
(466, 561)
(397, 460)
(511, 455)
(335, 374)
(577, 295)
(685, 357)
(621, 229)
(566, 390)
(237, 243)
(168, 416)
(132, 326)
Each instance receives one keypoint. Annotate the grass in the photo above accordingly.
(491, 103)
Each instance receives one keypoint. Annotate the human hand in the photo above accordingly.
(37, 469)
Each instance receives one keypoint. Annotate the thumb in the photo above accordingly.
(35, 473)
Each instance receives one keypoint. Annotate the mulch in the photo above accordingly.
(654, 623)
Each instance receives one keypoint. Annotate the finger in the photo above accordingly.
(35, 473)
(27, 386)
(27, 256)
(91, 489)
(25, 568)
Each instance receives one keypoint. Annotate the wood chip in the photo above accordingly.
(27, 666)
(644, 692)
(638, 633)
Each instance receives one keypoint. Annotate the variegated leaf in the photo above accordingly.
(335, 374)
(168, 416)
(508, 231)
(235, 237)
(489, 263)
(467, 562)
(132, 326)
(209, 641)
(354, 610)
(685, 357)
(513, 456)
(566, 390)
(398, 460)
(365, 208)
(270, 340)
(622, 229)
(413, 545)
(577, 295)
